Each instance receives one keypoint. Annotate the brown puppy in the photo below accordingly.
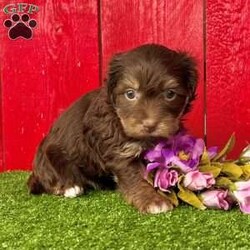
(100, 137)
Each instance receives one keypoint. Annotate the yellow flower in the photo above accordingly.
(183, 156)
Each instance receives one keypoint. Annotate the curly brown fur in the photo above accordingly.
(100, 137)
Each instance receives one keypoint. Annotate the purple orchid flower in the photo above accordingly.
(181, 150)
(159, 157)
(188, 151)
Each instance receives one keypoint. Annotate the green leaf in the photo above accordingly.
(228, 147)
(231, 170)
(246, 171)
(190, 197)
(212, 169)
(205, 160)
(225, 182)
(245, 155)
(171, 197)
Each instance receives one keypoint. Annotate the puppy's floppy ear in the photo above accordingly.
(189, 74)
(115, 71)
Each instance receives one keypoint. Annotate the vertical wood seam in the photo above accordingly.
(205, 69)
(2, 121)
(100, 45)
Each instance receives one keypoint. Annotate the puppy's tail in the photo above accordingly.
(34, 185)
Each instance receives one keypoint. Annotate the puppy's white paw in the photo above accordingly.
(159, 208)
(73, 192)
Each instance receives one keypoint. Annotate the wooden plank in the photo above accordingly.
(228, 72)
(176, 24)
(1, 128)
(42, 76)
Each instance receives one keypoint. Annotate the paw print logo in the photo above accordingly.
(20, 26)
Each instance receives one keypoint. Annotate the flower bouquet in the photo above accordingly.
(182, 168)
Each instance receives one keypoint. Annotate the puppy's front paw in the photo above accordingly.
(156, 208)
(73, 192)
(153, 204)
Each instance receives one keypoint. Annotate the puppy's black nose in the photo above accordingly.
(149, 126)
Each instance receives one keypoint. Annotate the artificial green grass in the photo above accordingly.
(102, 220)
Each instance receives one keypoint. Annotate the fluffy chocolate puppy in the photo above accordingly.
(99, 139)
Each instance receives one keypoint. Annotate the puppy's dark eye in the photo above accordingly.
(130, 94)
(170, 94)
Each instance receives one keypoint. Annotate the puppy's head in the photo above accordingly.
(151, 87)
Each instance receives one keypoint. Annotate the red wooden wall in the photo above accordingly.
(74, 40)
(42, 76)
(228, 71)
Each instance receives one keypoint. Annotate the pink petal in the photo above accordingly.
(222, 200)
(153, 165)
(184, 168)
(212, 151)
(209, 179)
(241, 195)
(243, 185)
(168, 156)
(156, 178)
(209, 199)
(155, 154)
(195, 180)
(216, 199)
(198, 148)
(173, 177)
(163, 180)
(245, 206)
(189, 178)
(200, 183)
